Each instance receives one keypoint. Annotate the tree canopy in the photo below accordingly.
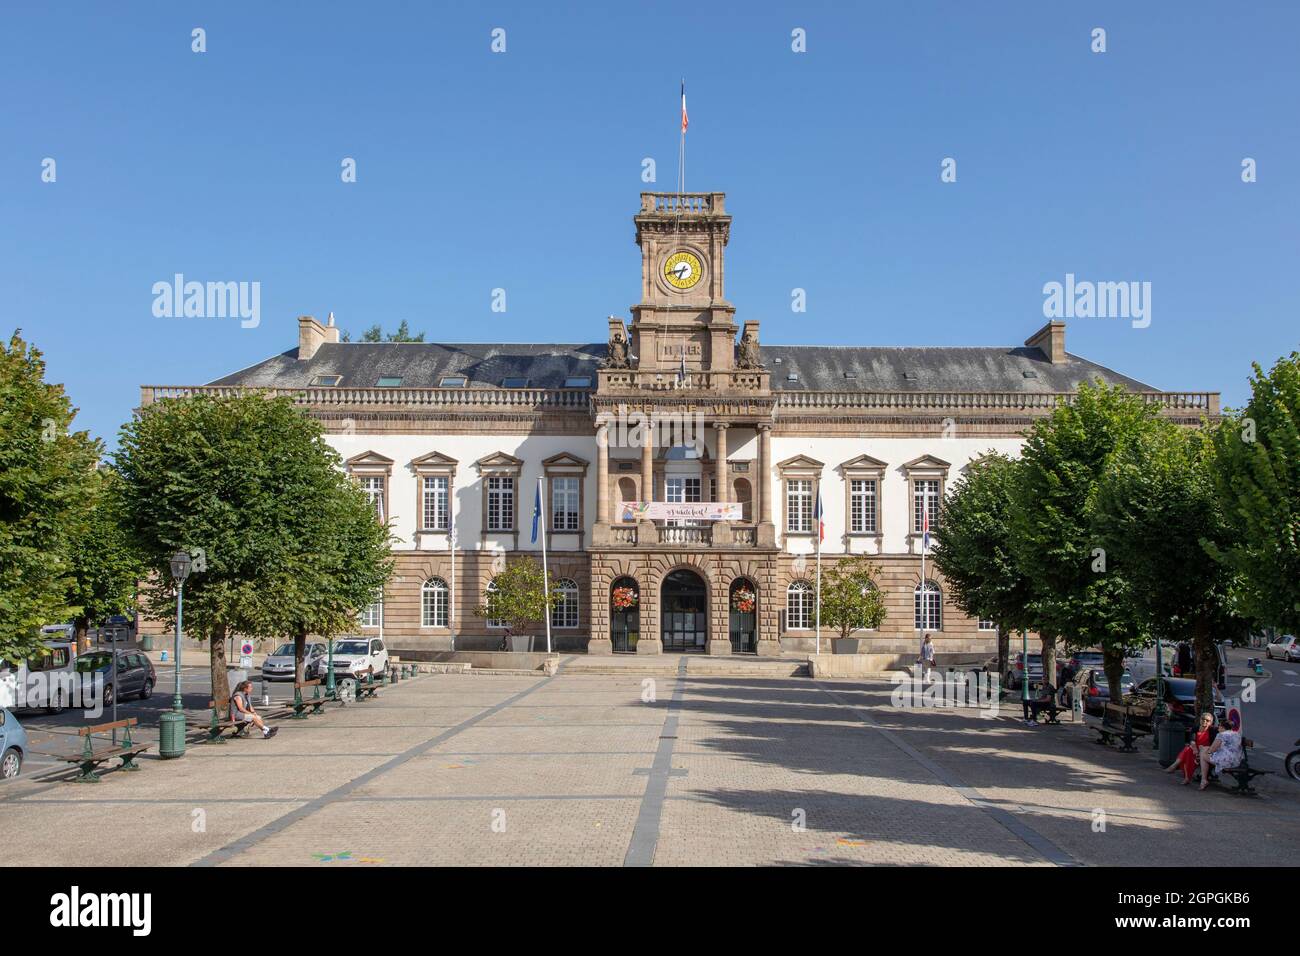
(46, 491)
(850, 600)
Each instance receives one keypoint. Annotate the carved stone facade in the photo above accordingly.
(679, 406)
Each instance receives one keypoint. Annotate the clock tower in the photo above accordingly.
(683, 312)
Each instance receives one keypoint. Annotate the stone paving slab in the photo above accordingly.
(582, 770)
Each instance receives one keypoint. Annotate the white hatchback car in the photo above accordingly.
(353, 656)
(1286, 647)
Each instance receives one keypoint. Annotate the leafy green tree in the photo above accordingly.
(46, 487)
(1156, 512)
(236, 481)
(1257, 476)
(403, 334)
(341, 561)
(973, 551)
(1079, 593)
(850, 600)
(105, 567)
(517, 596)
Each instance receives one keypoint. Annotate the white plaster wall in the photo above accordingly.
(467, 488)
(895, 505)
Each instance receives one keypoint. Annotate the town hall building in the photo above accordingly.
(682, 460)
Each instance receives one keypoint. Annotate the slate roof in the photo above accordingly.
(816, 367)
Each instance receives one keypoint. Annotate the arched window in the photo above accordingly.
(564, 613)
(799, 606)
(745, 497)
(490, 590)
(928, 605)
(434, 599)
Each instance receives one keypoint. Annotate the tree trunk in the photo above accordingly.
(1004, 650)
(1049, 660)
(1113, 664)
(299, 652)
(83, 636)
(217, 661)
(1207, 664)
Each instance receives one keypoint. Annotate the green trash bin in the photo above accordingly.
(1171, 737)
(146, 642)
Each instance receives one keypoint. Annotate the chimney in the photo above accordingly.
(1050, 340)
(312, 335)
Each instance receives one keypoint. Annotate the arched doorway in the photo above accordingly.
(743, 601)
(624, 615)
(684, 625)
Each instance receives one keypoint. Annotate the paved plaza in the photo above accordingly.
(618, 770)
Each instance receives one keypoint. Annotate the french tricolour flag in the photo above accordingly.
(819, 517)
(925, 526)
(685, 122)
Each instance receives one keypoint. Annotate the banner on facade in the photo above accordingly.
(681, 510)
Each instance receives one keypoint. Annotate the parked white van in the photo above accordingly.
(1141, 666)
(46, 680)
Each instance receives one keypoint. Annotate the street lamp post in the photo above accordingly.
(171, 726)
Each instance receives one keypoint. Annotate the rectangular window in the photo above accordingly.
(798, 505)
(389, 381)
(680, 490)
(373, 486)
(862, 506)
(452, 381)
(501, 503)
(435, 509)
(925, 499)
(578, 381)
(564, 505)
(372, 614)
(988, 626)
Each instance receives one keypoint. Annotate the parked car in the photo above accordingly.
(1093, 688)
(1143, 665)
(1082, 660)
(1016, 671)
(1180, 702)
(1286, 647)
(281, 665)
(135, 673)
(355, 655)
(13, 746)
(55, 658)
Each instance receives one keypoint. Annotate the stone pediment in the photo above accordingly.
(369, 461)
(864, 463)
(801, 463)
(927, 463)
(565, 461)
(434, 461)
(499, 461)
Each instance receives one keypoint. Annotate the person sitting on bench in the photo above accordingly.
(1043, 699)
(241, 710)
(1225, 753)
(1190, 755)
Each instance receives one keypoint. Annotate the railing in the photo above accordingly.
(1207, 402)
(623, 534)
(742, 535)
(684, 204)
(670, 380)
(676, 535)
(475, 398)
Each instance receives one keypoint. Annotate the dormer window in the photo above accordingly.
(389, 381)
(514, 383)
(452, 381)
(326, 380)
(578, 381)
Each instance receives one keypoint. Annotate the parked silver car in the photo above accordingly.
(1286, 647)
(281, 664)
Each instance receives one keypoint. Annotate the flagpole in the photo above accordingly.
(819, 570)
(451, 597)
(546, 580)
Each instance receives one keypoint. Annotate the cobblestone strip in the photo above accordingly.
(217, 857)
(645, 834)
(1045, 847)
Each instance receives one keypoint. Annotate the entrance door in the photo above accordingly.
(624, 615)
(684, 622)
(743, 617)
(680, 489)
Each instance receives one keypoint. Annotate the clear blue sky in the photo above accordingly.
(521, 170)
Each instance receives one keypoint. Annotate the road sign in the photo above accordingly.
(1232, 710)
(246, 649)
(246, 662)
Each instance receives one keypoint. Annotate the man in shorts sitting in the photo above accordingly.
(241, 710)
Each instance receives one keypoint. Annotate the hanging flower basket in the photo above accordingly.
(742, 600)
(624, 599)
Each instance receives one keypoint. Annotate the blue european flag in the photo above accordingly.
(537, 510)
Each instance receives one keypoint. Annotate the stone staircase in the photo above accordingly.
(697, 665)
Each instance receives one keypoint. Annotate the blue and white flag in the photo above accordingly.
(537, 510)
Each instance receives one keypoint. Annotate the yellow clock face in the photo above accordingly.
(682, 270)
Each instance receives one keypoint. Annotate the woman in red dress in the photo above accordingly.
(1191, 754)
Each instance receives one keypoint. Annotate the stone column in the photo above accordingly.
(763, 488)
(647, 533)
(721, 465)
(600, 531)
